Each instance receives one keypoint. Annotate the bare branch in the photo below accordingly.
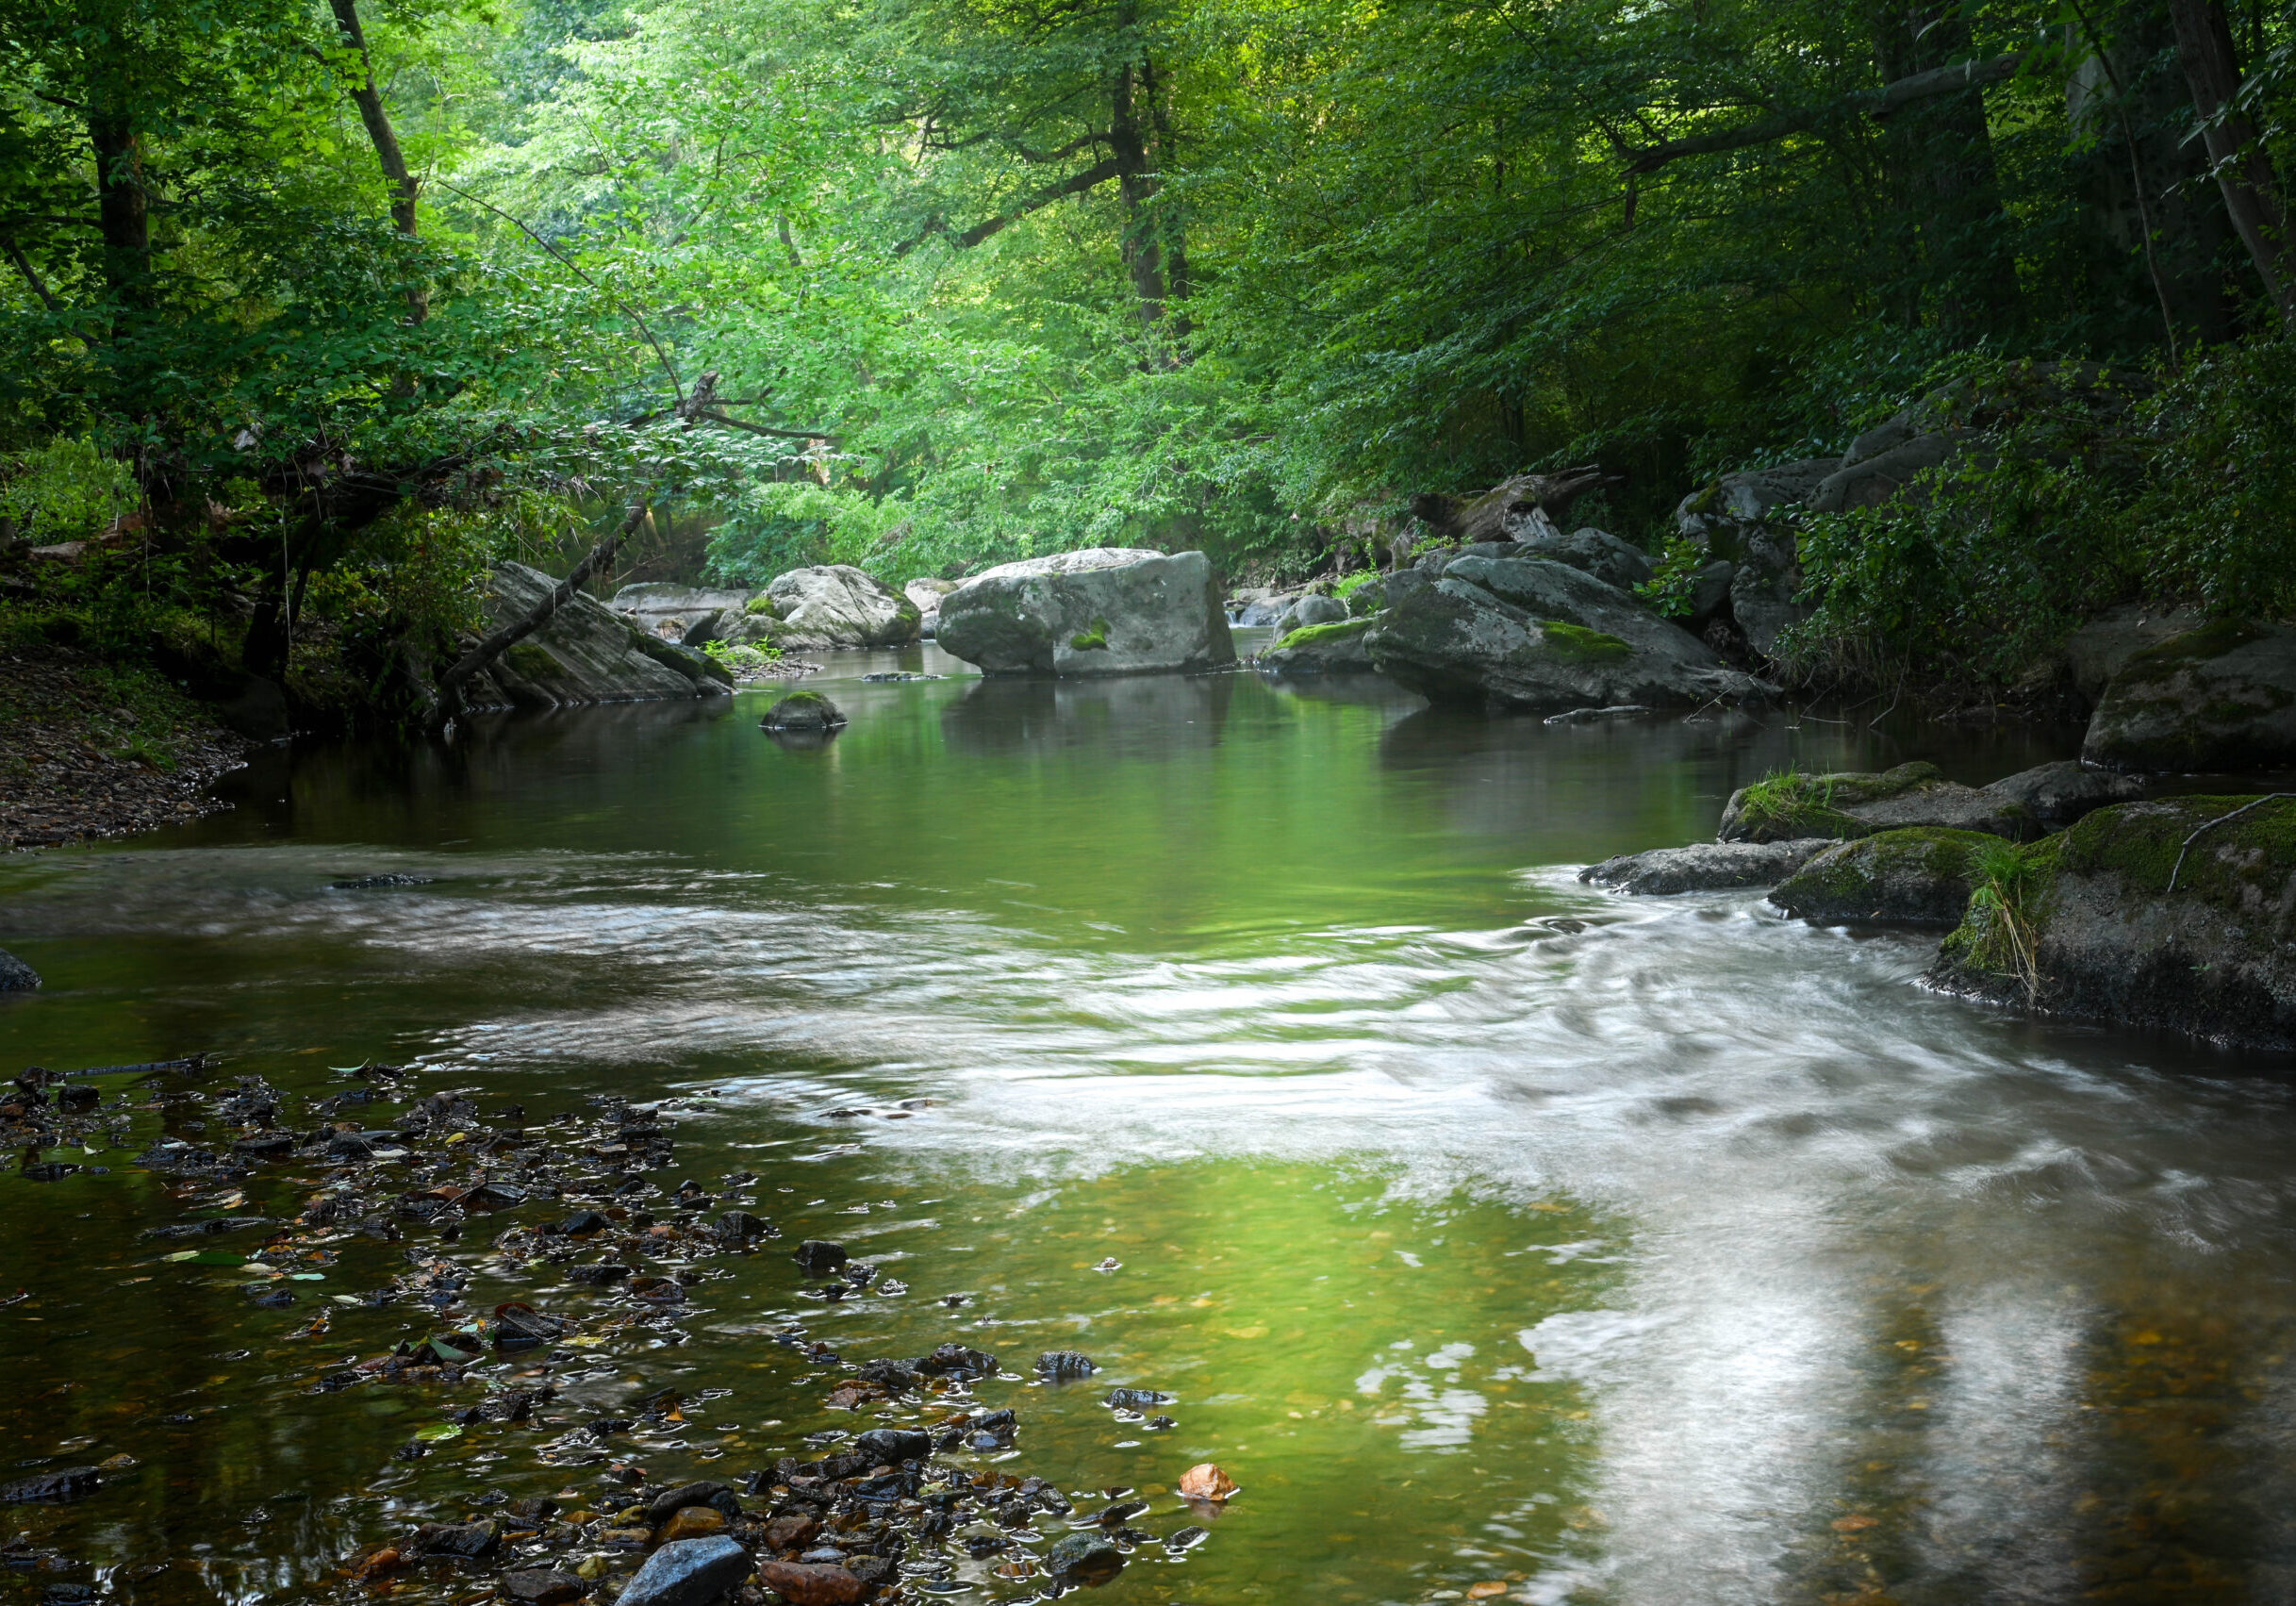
(1075, 184)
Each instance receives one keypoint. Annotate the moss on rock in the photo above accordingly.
(1314, 635)
(1575, 643)
(1919, 876)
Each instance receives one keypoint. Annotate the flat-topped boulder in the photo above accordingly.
(1527, 631)
(1705, 866)
(1853, 804)
(587, 652)
(2222, 698)
(1107, 610)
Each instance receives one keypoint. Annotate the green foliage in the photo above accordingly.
(63, 489)
(2000, 934)
(1672, 586)
(741, 658)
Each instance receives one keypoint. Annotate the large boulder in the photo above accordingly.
(1313, 609)
(585, 654)
(2057, 795)
(689, 615)
(1527, 631)
(2223, 697)
(830, 606)
(1917, 876)
(2179, 912)
(1705, 866)
(2102, 647)
(1335, 648)
(1857, 803)
(1110, 610)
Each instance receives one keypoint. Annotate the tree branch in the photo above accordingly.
(1075, 184)
(24, 266)
(1875, 102)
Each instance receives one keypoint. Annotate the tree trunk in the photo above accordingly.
(2243, 169)
(1136, 183)
(1940, 159)
(123, 203)
(405, 187)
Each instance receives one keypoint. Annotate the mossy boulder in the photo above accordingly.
(1108, 610)
(586, 652)
(1525, 632)
(1323, 648)
(2087, 923)
(2222, 698)
(1853, 804)
(1919, 876)
(803, 711)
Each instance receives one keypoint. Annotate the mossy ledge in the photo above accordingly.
(1317, 634)
(1576, 644)
(2084, 925)
(1918, 875)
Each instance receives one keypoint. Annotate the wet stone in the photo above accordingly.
(540, 1586)
(71, 1484)
(811, 1583)
(819, 1257)
(689, 1572)
(465, 1541)
(1087, 1558)
(1134, 1399)
(693, 1522)
(1065, 1364)
(739, 1226)
(890, 1446)
(715, 1496)
(956, 1360)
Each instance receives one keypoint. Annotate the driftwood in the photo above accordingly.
(458, 674)
(1499, 514)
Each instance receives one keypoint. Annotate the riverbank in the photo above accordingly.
(91, 749)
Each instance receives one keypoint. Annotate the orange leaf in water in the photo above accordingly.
(1856, 1523)
(1485, 1590)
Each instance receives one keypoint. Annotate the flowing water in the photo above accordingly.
(1257, 1041)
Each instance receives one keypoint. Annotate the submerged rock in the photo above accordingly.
(2223, 697)
(1705, 866)
(803, 1584)
(803, 711)
(68, 1483)
(2171, 914)
(1916, 876)
(1087, 1558)
(1106, 611)
(15, 975)
(541, 1586)
(1531, 633)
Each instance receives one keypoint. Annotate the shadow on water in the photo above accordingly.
(1491, 1230)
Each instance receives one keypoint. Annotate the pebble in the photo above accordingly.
(542, 1586)
(806, 1585)
(1206, 1482)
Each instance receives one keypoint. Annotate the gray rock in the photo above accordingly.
(1709, 588)
(1705, 866)
(1908, 877)
(15, 975)
(1313, 609)
(925, 596)
(1087, 1558)
(1736, 500)
(1763, 588)
(2057, 795)
(586, 653)
(1857, 803)
(1339, 648)
(890, 1446)
(803, 711)
(2091, 928)
(831, 606)
(1266, 608)
(2096, 652)
(671, 1501)
(687, 1572)
(1870, 480)
(1598, 553)
(688, 615)
(2223, 697)
(1109, 611)
(1530, 633)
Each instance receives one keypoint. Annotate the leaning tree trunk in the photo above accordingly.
(450, 703)
(1496, 514)
(123, 203)
(2243, 169)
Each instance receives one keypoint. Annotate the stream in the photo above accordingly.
(1503, 1239)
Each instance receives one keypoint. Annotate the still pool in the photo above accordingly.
(1502, 1240)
